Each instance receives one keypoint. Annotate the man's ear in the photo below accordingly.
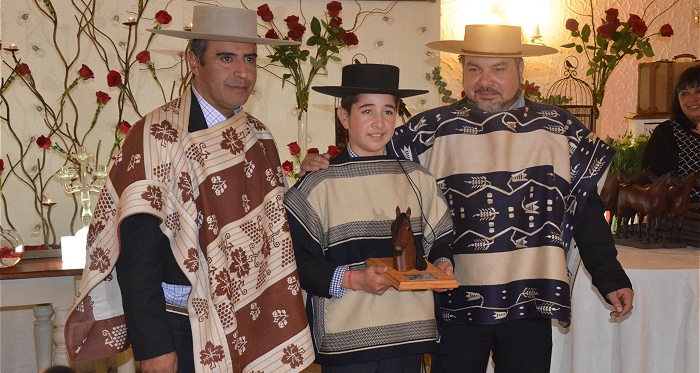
(521, 70)
(344, 117)
(193, 61)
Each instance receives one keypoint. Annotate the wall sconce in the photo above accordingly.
(536, 36)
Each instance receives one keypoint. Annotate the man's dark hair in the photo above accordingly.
(199, 47)
(689, 79)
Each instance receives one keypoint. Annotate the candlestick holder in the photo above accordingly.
(84, 177)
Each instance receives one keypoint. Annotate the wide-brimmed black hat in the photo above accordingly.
(369, 78)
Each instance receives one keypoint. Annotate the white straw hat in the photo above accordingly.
(224, 24)
(491, 41)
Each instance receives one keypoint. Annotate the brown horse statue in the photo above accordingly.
(609, 192)
(679, 201)
(406, 255)
(644, 178)
(651, 201)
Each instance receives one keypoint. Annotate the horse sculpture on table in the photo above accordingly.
(406, 255)
(642, 178)
(679, 201)
(651, 201)
(609, 192)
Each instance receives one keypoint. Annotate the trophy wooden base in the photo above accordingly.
(431, 278)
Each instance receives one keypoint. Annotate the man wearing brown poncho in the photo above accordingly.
(189, 254)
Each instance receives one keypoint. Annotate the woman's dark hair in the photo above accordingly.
(689, 79)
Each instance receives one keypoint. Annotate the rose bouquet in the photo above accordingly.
(604, 46)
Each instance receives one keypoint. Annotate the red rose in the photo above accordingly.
(102, 98)
(611, 16)
(348, 38)
(333, 151)
(265, 13)
(571, 24)
(85, 72)
(2, 165)
(605, 31)
(312, 151)
(639, 27)
(334, 8)
(462, 94)
(666, 30)
(529, 89)
(43, 142)
(294, 148)
(633, 18)
(23, 69)
(143, 56)
(163, 17)
(288, 167)
(271, 34)
(336, 22)
(114, 78)
(296, 31)
(291, 21)
(124, 127)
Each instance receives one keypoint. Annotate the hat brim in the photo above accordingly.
(527, 50)
(203, 36)
(337, 91)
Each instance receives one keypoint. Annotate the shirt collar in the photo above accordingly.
(211, 115)
(355, 155)
(519, 102)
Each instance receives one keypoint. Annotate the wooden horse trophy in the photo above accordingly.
(651, 201)
(406, 255)
(679, 201)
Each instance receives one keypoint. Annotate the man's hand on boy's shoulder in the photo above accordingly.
(314, 162)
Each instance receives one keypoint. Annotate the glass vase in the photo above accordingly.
(11, 248)
(302, 129)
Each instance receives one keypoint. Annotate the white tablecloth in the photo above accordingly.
(660, 335)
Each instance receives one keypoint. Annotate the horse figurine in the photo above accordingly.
(406, 255)
(642, 178)
(679, 201)
(650, 201)
(609, 192)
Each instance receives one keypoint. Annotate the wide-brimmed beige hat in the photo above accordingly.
(223, 24)
(491, 41)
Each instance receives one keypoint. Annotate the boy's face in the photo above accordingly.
(370, 123)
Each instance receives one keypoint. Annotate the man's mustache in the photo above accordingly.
(487, 90)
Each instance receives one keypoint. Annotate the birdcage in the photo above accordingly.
(574, 95)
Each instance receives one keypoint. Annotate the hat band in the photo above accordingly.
(492, 53)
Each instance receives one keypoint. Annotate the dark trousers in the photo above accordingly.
(182, 337)
(401, 364)
(523, 345)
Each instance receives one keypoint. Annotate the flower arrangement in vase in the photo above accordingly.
(604, 46)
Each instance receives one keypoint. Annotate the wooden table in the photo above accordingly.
(49, 285)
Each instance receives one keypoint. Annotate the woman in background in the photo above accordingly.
(675, 144)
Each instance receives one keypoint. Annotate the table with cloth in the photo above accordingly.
(662, 332)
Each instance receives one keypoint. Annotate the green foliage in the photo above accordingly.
(532, 93)
(445, 93)
(628, 152)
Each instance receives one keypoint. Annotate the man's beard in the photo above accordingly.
(489, 107)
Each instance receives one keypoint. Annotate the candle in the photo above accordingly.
(131, 20)
(188, 28)
(13, 46)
